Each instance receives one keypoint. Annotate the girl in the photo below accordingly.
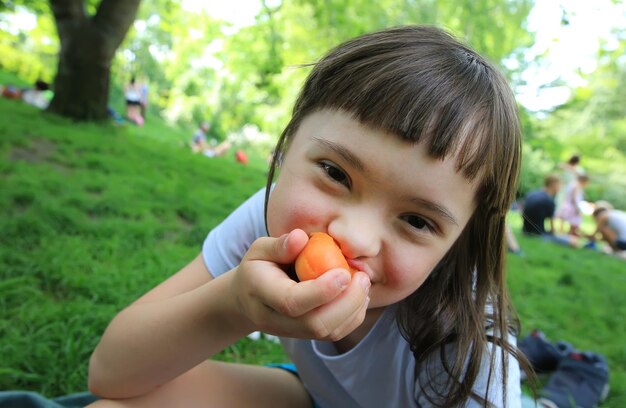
(132, 94)
(404, 146)
(569, 210)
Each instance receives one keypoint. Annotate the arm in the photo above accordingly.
(551, 224)
(604, 231)
(191, 316)
(550, 216)
(595, 234)
(164, 333)
(608, 235)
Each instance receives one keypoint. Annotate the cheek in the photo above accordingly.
(291, 208)
(406, 272)
(408, 276)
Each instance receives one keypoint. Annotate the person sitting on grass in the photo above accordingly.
(199, 143)
(539, 207)
(39, 95)
(611, 228)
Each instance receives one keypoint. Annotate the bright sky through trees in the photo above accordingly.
(568, 31)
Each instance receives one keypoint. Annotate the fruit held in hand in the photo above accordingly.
(320, 255)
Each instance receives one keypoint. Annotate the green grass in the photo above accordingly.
(93, 216)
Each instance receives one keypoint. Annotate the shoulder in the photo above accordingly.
(228, 242)
(534, 195)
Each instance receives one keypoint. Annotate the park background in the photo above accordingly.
(93, 214)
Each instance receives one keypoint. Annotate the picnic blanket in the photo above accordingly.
(29, 399)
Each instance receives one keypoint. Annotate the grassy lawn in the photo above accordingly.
(576, 295)
(93, 216)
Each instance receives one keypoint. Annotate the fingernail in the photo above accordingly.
(365, 282)
(285, 241)
(343, 280)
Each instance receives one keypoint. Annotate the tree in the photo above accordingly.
(88, 44)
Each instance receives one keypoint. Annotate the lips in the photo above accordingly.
(356, 264)
(360, 266)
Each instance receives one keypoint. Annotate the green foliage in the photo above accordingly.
(10, 78)
(38, 7)
(249, 78)
(31, 55)
(592, 123)
(535, 166)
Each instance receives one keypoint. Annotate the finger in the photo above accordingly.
(295, 299)
(351, 323)
(282, 250)
(333, 320)
(336, 319)
(312, 328)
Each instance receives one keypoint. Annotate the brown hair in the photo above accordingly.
(551, 179)
(574, 160)
(599, 210)
(421, 84)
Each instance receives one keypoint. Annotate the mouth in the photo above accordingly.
(357, 265)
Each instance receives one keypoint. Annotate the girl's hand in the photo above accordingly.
(326, 308)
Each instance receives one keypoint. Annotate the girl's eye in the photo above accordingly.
(417, 222)
(335, 173)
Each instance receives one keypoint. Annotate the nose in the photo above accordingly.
(358, 233)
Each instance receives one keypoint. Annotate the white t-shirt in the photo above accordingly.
(616, 220)
(378, 372)
(131, 93)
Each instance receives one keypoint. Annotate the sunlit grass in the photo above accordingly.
(93, 216)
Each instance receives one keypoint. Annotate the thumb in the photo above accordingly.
(289, 245)
(281, 250)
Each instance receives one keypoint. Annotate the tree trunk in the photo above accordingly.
(88, 44)
(81, 85)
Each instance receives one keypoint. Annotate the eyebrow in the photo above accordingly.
(437, 208)
(346, 154)
(353, 160)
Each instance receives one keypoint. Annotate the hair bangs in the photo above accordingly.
(447, 100)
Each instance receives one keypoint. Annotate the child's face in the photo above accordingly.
(394, 210)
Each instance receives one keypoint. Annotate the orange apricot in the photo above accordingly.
(320, 255)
